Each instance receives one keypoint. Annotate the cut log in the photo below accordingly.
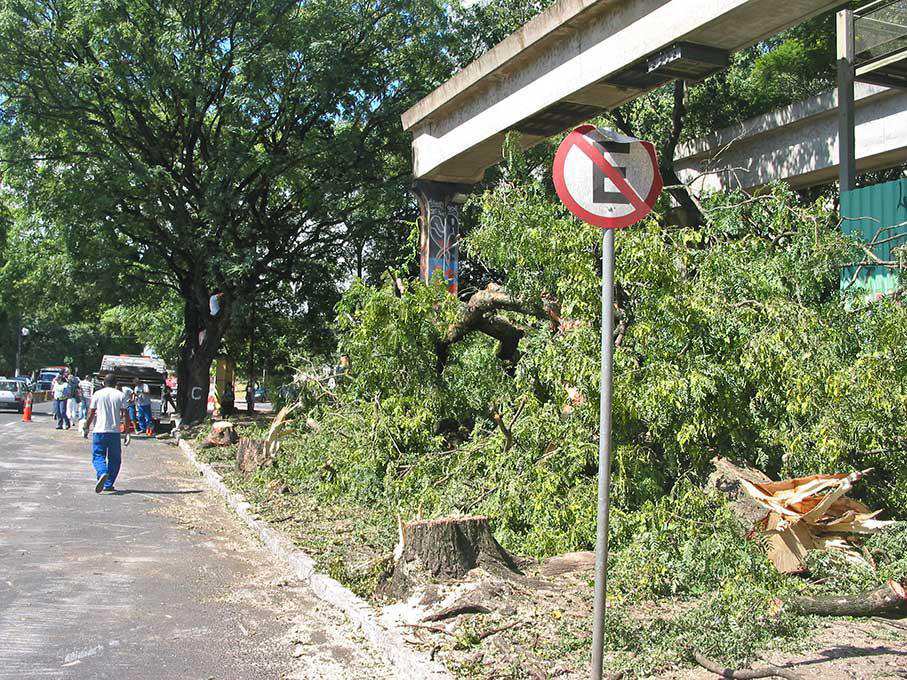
(746, 673)
(889, 601)
(251, 455)
(222, 434)
(446, 549)
(568, 563)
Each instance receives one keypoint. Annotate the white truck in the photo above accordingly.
(127, 367)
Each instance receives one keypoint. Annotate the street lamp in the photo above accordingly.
(23, 332)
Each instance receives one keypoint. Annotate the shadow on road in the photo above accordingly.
(125, 492)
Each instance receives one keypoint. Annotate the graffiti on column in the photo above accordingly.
(439, 227)
(443, 241)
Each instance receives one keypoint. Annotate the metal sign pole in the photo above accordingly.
(604, 454)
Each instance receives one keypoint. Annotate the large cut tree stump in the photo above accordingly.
(446, 549)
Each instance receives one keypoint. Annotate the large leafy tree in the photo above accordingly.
(59, 300)
(211, 148)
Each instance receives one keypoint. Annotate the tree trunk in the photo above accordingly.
(447, 549)
(251, 455)
(888, 601)
(202, 335)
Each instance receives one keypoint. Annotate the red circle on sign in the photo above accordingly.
(600, 220)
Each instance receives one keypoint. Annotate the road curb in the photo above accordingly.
(407, 663)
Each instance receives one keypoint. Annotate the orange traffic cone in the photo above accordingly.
(26, 413)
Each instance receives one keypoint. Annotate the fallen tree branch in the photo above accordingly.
(456, 610)
(477, 315)
(889, 622)
(500, 629)
(744, 674)
(889, 601)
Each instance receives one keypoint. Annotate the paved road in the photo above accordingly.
(157, 581)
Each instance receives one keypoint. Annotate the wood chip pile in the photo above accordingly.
(811, 513)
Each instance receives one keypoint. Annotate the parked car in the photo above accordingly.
(12, 395)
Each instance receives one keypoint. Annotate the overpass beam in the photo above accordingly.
(847, 165)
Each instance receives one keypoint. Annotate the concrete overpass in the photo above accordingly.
(576, 60)
(798, 143)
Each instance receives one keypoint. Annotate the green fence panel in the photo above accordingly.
(875, 214)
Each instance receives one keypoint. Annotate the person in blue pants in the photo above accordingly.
(106, 410)
(143, 407)
(60, 391)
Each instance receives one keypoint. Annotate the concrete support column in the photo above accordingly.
(439, 229)
(847, 168)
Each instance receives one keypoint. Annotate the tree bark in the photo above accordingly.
(889, 601)
(745, 674)
(202, 335)
(447, 548)
(478, 314)
(251, 455)
(679, 192)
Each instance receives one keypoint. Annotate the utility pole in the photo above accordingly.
(847, 163)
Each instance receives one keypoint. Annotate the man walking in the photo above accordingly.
(60, 390)
(72, 403)
(106, 409)
(129, 400)
(86, 390)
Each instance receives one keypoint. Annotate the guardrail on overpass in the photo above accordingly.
(798, 143)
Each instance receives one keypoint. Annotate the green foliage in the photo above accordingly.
(233, 147)
(686, 543)
(154, 323)
(886, 553)
(734, 340)
(56, 296)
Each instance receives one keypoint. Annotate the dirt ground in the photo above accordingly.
(536, 626)
(530, 615)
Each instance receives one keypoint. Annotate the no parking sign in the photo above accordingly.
(605, 178)
(610, 181)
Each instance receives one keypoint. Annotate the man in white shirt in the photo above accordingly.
(105, 411)
(129, 400)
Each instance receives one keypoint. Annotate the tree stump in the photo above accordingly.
(222, 434)
(568, 563)
(251, 455)
(446, 549)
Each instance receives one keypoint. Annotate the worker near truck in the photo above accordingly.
(143, 406)
(129, 400)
